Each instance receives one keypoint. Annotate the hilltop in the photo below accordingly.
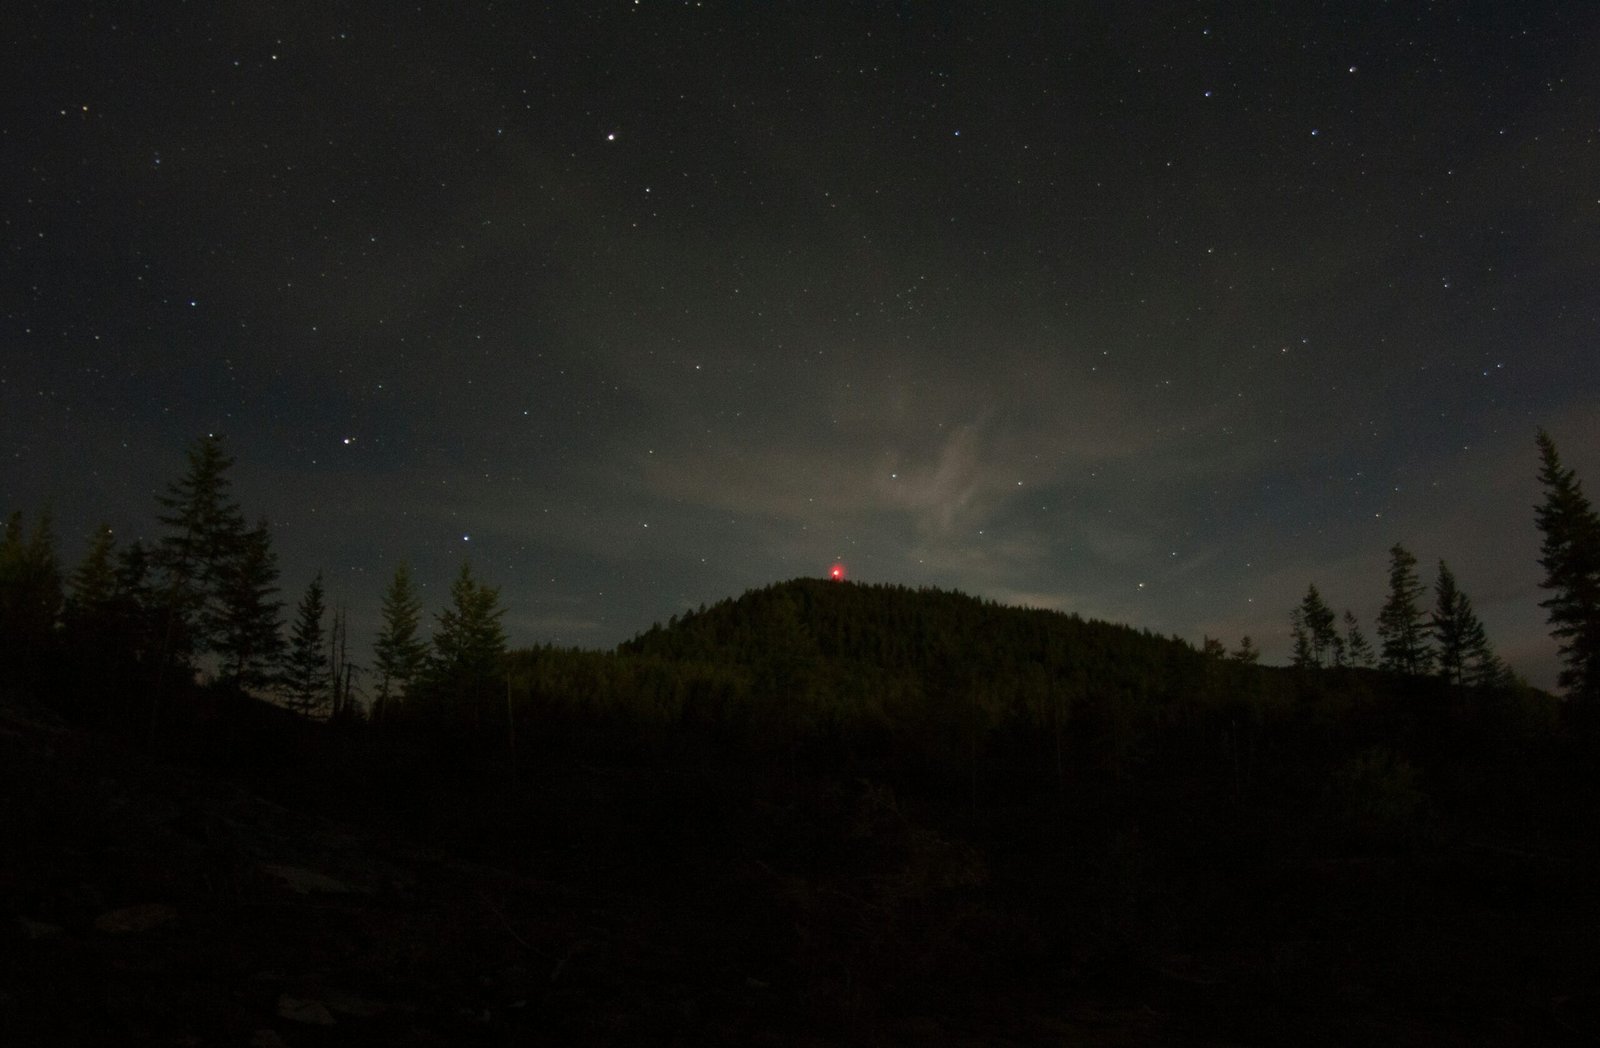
(899, 629)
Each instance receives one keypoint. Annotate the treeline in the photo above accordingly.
(136, 625)
(136, 622)
(1448, 640)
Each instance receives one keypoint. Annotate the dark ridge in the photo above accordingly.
(940, 638)
(868, 622)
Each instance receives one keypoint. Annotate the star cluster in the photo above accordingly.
(1152, 314)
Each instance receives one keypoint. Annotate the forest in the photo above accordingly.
(818, 811)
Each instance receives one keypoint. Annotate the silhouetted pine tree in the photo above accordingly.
(1358, 652)
(93, 586)
(1316, 642)
(204, 534)
(248, 633)
(90, 618)
(468, 646)
(1463, 653)
(305, 670)
(1246, 652)
(1570, 556)
(1450, 625)
(137, 608)
(30, 593)
(111, 624)
(1300, 653)
(1485, 669)
(400, 654)
(1402, 624)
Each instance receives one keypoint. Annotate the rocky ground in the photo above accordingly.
(147, 903)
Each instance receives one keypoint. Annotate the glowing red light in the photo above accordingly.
(836, 573)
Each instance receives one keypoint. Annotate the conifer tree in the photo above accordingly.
(400, 654)
(1462, 648)
(1402, 624)
(469, 644)
(248, 624)
(204, 533)
(1300, 653)
(1246, 652)
(112, 623)
(1448, 627)
(90, 619)
(1488, 670)
(30, 589)
(1316, 642)
(1570, 556)
(1357, 649)
(93, 586)
(136, 606)
(1334, 640)
(305, 671)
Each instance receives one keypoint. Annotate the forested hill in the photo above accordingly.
(931, 633)
(859, 656)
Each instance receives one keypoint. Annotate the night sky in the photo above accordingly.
(1152, 312)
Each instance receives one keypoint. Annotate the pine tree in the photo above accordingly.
(1356, 646)
(1449, 627)
(1402, 623)
(1246, 652)
(400, 654)
(248, 624)
(30, 591)
(112, 625)
(1480, 666)
(1334, 642)
(1316, 643)
(1570, 556)
(205, 531)
(1462, 646)
(305, 671)
(469, 644)
(1485, 669)
(138, 615)
(90, 618)
(93, 586)
(1300, 652)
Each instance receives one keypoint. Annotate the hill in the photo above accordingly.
(853, 647)
(817, 813)
(902, 682)
(925, 632)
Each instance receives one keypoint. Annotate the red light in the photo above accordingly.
(836, 573)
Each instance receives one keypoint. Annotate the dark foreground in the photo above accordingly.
(154, 902)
